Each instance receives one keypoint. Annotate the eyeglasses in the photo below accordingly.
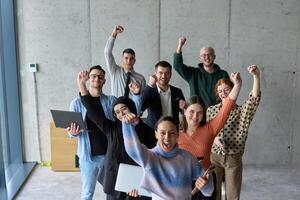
(94, 76)
(225, 90)
(121, 110)
(206, 55)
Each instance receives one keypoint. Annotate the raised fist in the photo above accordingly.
(117, 29)
(82, 77)
(253, 69)
(181, 41)
(152, 80)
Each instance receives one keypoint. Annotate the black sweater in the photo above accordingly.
(97, 138)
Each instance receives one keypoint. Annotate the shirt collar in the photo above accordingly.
(161, 91)
(131, 71)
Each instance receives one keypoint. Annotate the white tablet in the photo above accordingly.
(130, 177)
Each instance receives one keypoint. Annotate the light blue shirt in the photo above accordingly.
(84, 146)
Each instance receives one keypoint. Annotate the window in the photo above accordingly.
(11, 159)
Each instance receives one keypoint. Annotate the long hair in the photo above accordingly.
(193, 100)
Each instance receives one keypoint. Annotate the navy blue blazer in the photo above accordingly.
(150, 100)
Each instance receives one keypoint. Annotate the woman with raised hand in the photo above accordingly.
(116, 153)
(228, 148)
(197, 135)
(168, 169)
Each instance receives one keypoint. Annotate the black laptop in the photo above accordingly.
(63, 119)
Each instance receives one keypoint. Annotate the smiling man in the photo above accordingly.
(201, 79)
(159, 97)
(92, 144)
(121, 76)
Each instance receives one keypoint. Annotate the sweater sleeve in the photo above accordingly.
(199, 170)
(137, 151)
(138, 103)
(217, 123)
(96, 114)
(208, 188)
(249, 108)
(109, 58)
(183, 70)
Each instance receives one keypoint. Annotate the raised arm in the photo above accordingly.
(253, 69)
(183, 70)
(219, 121)
(137, 151)
(250, 106)
(82, 78)
(109, 58)
(117, 29)
(181, 42)
(135, 88)
(94, 112)
(237, 81)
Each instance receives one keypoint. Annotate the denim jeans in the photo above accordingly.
(89, 173)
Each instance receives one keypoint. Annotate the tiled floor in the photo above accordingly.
(259, 183)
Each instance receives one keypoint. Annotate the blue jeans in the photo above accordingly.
(89, 174)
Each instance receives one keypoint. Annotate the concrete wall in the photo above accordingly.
(65, 36)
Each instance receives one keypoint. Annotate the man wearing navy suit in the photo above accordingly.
(160, 98)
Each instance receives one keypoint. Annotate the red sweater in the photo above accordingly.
(199, 144)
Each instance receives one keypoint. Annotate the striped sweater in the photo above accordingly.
(167, 175)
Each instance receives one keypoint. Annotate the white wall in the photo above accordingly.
(65, 36)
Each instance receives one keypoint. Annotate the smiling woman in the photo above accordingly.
(168, 170)
(197, 135)
(166, 133)
(227, 157)
(120, 110)
(115, 153)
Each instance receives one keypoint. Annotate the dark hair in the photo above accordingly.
(98, 67)
(193, 100)
(126, 101)
(163, 64)
(166, 118)
(128, 50)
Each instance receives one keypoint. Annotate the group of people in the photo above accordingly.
(179, 140)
